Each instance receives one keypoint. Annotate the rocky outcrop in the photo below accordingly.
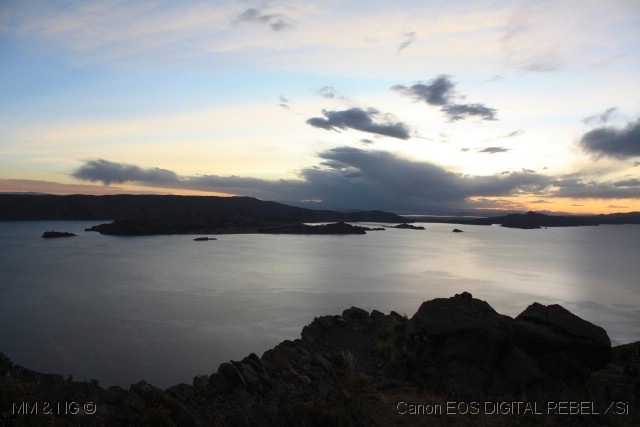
(355, 368)
(544, 347)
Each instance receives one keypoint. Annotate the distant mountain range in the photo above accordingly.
(158, 214)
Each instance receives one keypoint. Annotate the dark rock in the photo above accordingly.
(457, 230)
(547, 329)
(54, 234)
(231, 374)
(327, 322)
(355, 313)
(219, 384)
(181, 392)
(204, 239)
(114, 395)
(454, 348)
(250, 376)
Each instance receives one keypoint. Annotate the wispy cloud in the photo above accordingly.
(601, 119)
(275, 21)
(327, 92)
(493, 150)
(409, 38)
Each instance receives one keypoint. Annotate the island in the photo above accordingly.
(405, 226)
(56, 234)
(546, 366)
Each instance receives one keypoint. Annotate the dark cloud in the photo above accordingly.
(346, 178)
(410, 37)
(277, 22)
(441, 92)
(464, 111)
(578, 188)
(366, 141)
(613, 142)
(600, 118)
(493, 150)
(109, 173)
(357, 118)
(437, 92)
(354, 178)
(541, 201)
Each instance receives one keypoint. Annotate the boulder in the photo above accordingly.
(553, 333)
(459, 341)
(355, 313)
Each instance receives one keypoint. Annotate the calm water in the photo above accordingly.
(166, 308)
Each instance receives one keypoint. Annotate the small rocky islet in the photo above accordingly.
(357, 368)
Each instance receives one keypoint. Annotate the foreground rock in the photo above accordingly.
(370, 368)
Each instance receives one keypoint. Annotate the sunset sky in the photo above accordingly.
(409, 106)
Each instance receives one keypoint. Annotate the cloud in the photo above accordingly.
(277, 22)
(440, 92)
(577, 188)
(463, 111)
(356, 118)
(612, 142)
(360, 178)
(327, 92)
(437, 92)
(109, 173)
(346, 178)
(493, 150)
(284, 102)
(512, 134)
(410, 37)
(602, 118)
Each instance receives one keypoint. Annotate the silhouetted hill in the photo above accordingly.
(157, 214)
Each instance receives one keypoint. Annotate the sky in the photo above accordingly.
(407, 106)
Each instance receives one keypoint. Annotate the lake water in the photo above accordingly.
(166, 308)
